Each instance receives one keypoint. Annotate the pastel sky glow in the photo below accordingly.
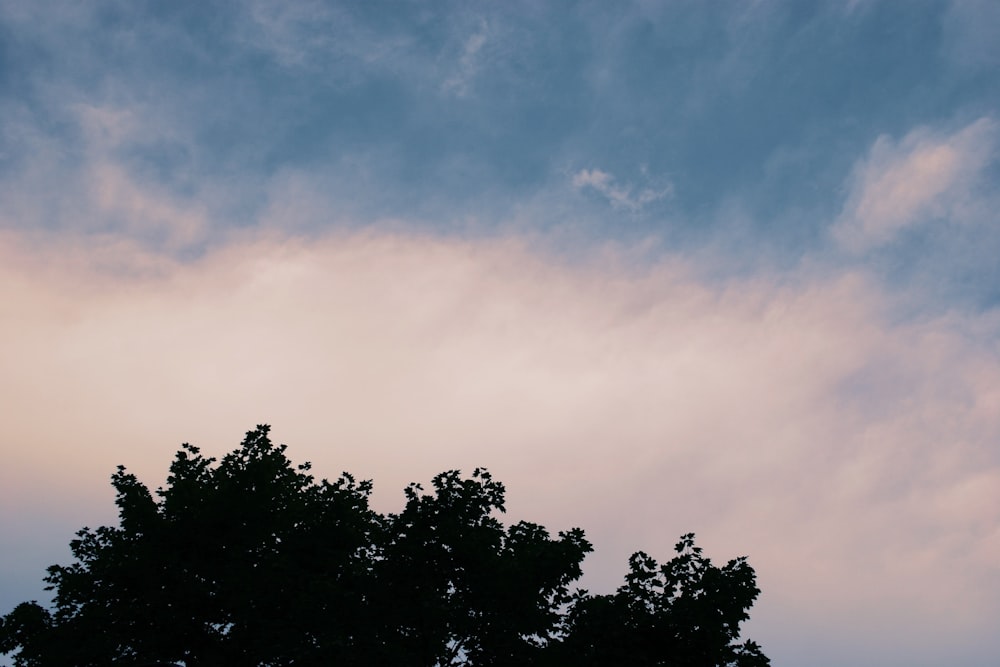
(662, 267)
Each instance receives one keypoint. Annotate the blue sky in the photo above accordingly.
(731, 266)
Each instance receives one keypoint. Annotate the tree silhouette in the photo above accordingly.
(251, 561)
(684, 613)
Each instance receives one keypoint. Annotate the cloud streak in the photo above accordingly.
(468, 63)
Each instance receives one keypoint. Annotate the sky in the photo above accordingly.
(720, 267)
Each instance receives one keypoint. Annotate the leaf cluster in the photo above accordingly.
(250, 561)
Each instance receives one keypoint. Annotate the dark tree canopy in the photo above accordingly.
(249, 561)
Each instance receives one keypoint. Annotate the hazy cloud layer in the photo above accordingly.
(853, 458)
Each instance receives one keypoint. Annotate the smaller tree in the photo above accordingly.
(684, 613)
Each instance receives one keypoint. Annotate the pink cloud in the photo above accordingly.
(925, 175)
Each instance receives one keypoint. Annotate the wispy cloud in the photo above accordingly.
(619, 195)
(87, 184)
(319, 36)
(120, 199)
(294, 34)
(468, 63)
(925, 176)
(970, 34)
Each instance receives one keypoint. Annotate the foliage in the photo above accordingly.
(251, 561)
(685, 612)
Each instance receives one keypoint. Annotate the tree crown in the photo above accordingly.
(249, 560)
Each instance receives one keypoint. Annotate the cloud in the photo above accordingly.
(468, 63)
(620, 196)
(970, 34)
(89, 181)
(292, 34)
(926, 176)
(335, 43)
(312, 35)
(784, 417)
(143, 211)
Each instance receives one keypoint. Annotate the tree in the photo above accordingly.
(683, 613)
(251, 561)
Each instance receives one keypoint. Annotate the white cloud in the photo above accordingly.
(619, 195)
(923, 177)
